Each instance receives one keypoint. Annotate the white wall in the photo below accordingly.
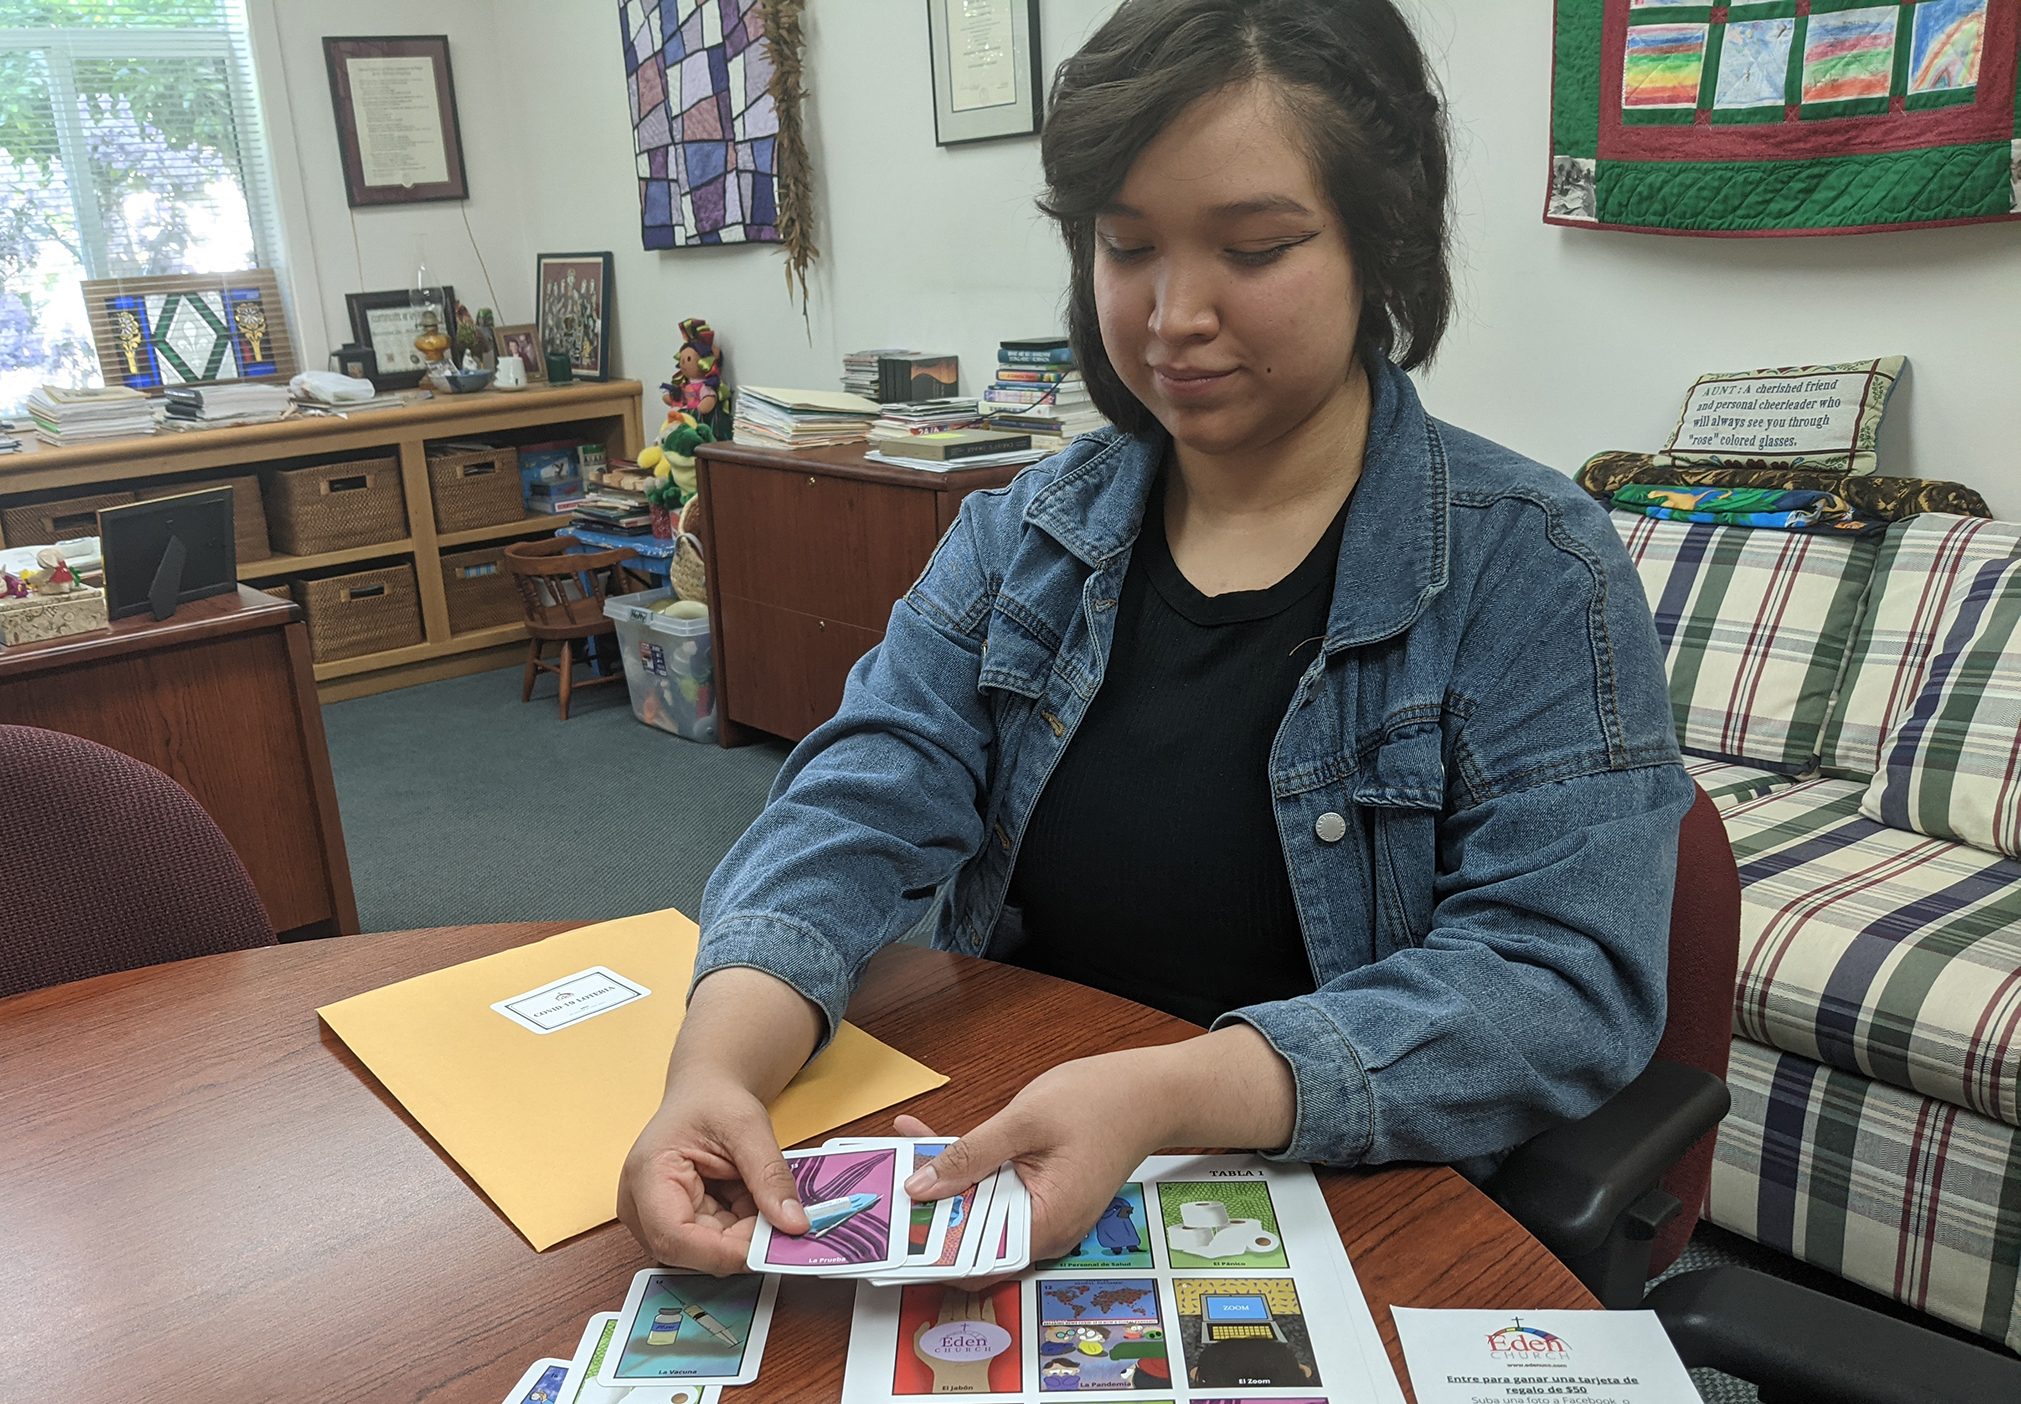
(332, 249)
(1567, 342)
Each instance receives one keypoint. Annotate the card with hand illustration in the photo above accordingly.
(950, 1341)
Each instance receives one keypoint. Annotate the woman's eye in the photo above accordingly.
(1256, 258)
(1119, 254)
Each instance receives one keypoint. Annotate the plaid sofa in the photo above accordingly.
(1876, 1067)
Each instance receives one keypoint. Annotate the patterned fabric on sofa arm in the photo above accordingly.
(1877, 1023)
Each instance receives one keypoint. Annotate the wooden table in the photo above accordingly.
(206, 1197)
(219, 695)
(808, 550)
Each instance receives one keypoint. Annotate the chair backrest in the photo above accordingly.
(560, 590)
(1704, 961)
(107, 864)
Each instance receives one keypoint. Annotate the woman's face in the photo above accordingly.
(1226, 293)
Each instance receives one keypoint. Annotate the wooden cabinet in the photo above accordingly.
(807, 552)
(604, 412)
(220, 697)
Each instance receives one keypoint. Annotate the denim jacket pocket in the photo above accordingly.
(1400, 788)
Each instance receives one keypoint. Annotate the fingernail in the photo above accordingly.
(793, 1206)
(921, 1181)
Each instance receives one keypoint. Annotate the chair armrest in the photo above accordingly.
(1570, 1185)
(1799, 1345)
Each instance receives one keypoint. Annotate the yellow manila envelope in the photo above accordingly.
(558, 1033)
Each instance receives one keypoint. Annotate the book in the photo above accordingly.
(1061, 356)
(1064, 398)
(952, 444)
(917, 377)
(1035, 343)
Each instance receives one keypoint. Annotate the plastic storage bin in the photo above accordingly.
(669, 665)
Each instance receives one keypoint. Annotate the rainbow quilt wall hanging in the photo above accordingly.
(1785, 116)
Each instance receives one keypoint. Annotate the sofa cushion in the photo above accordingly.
(1878, 951)
(1952, 766)
(1729, 784)
(1915, 1198)
(1924, 565)
(1754, 627)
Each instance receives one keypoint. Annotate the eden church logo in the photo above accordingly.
(1527, 1341)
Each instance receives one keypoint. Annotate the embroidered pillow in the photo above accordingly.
(1822, 418)
(1951, 768)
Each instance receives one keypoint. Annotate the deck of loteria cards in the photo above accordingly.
(863, 1224)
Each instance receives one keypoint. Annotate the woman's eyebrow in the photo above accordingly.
(1233, 209)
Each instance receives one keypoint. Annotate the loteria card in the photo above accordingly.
(1120, 1237)
(931, 1220)
(542, 1383)
(690, 1329)
(856, 1206)
(589, 1354)
(936, 1338)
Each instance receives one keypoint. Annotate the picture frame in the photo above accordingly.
(985, 60)
(388, 322)
(572, 301)
(399, 147)
(190, 329)
(522, 339)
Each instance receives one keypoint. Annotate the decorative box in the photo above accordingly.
(40, 617)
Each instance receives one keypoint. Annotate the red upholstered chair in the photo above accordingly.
(107, 864)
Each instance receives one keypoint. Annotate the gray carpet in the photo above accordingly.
(463, 805)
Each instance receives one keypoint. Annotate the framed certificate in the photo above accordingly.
(396, 119)
(985, 69)
(388, 322)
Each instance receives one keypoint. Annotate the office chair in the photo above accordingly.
(1609, 1195)
(107, 864)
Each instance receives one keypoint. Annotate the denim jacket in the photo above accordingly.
(1477, 786)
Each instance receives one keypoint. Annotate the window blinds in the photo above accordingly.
(130, 146)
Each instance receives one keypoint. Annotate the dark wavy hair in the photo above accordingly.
(1354, 81)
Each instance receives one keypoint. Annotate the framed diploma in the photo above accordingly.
(396, 119)
(388, 322)
(985, 69)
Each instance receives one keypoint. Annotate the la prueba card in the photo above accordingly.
(687, 1329)
(542, 1383)
(857, 1208)
(928, 1225)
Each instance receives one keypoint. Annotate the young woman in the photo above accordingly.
(1285, 707)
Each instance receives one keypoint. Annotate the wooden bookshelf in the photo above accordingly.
(605, 412)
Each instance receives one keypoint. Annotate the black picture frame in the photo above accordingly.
(1022, 115)
(402, 368)
(338, 51)
(164, 552)
(560, 309)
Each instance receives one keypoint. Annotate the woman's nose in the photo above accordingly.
(1183, 307)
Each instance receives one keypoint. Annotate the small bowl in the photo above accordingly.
(463, 382)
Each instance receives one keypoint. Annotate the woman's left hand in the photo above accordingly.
(1075, 1133)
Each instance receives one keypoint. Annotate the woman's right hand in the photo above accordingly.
(701, 1172)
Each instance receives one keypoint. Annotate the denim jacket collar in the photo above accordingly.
(1393, 552)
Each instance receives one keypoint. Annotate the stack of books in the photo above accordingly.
(1037, 390)
(801, 418)
(907, 418)
(208, 406)
(957, 448)
(66, 416)
(859, 369)
(613, 512)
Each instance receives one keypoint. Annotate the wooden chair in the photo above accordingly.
(560, 608)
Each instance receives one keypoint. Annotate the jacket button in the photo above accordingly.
(1330, 827)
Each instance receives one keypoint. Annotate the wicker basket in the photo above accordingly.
(335, 506)
(478, 488)
(279, 589)
(685, 572)
(59, 519)
(481, 591)
(249, 512)
(367, 611)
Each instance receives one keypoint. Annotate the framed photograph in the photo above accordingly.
(388, 322)
(522, 339)
(189, 329)
(573, 298)
(396, 119)
(986, 80)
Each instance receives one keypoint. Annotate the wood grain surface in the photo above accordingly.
(205, 1196)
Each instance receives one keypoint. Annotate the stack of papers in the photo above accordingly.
(802, 418)
(66, 416)
(206, 407)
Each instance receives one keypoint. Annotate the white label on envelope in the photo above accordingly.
(570, 1000)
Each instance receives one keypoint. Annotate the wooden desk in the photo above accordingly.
(220, 697)
(807, 551)
(207, 1197)
(605, 412)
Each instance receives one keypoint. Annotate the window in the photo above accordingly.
(130, 145)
